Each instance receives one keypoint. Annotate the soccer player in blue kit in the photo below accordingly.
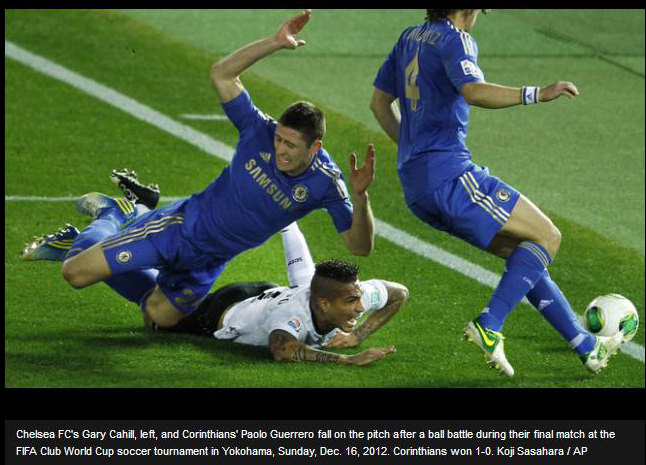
(433, 71)
(167, 259)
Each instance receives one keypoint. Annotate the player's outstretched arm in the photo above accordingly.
(360, 237)
(493, 96)
(397, 296)
(225, 74)
(286, 348)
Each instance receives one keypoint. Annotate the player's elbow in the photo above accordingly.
(398, 293)
(283, 352)
(401, 293)
(380, 102)
(217, 72)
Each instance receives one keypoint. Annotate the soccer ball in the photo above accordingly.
(610, 313)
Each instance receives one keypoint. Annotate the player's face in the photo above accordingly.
(346, 308)
(293, 155)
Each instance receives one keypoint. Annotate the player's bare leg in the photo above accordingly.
(527, 223)
(160, 311)
(86, 268)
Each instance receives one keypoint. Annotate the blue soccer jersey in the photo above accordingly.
(252, 199)
(425, 70)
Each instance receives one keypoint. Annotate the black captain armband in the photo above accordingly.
(529, 95)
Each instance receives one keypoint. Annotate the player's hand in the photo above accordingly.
(286, 35)
(555, 90)
(370, 355)
(341, 339)
(362, 177)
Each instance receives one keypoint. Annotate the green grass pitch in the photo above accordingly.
(582, 162)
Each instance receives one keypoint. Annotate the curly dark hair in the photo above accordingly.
(305, 118)
(329, 274)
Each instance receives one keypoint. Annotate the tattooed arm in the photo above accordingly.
(284, 347)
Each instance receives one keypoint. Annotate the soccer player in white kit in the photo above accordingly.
(321, 308)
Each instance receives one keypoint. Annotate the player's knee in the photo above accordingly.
(73, 274)
(552, 240)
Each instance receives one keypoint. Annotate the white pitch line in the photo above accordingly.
(220, 150)
(36, 198)
(213, 117)
(120, 101)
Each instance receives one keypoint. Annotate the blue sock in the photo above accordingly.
(97, 231)
(550, 301)
(524, 268)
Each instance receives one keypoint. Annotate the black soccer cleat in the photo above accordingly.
(134, 190)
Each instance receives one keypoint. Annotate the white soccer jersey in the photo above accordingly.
(252, 320)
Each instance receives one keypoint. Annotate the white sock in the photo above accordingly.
(300, 266)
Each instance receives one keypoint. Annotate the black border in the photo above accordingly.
(330, 403)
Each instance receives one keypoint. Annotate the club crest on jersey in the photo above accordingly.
(299, 192)
(295, 323)
(124, 256)
(503, 195)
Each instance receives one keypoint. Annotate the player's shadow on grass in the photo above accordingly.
(129, 337)
(97, 348)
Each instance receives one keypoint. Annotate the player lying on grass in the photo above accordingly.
(320, 308)
(433, 71)
(167, 260)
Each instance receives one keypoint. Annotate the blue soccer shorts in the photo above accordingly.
(155, 240)
(473, 206)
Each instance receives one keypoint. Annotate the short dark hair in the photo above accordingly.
(305, 118)
(329, 274)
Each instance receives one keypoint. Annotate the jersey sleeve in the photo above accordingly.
(375, 295)
(460, 60)
(337, 203)
(243, 113)
(289, 321)
(386, 78)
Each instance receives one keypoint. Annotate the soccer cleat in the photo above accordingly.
(93, 203)
(604, 347)
(134, 190)
(491, 343)
(51, 247)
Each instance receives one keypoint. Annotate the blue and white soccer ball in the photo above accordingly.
(610, 313)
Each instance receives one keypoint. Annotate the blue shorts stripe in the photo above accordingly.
(484, 201)
(504, 214)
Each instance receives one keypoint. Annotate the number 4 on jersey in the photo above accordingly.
(412, 91)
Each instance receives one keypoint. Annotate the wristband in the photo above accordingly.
(529, 95)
